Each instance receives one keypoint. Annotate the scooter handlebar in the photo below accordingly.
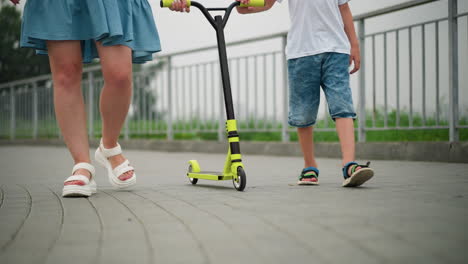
(168, 3)
(253, 3)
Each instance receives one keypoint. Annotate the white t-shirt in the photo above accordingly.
(316, 27)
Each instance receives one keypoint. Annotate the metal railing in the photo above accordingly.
(176, 99)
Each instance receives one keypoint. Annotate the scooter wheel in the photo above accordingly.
(241, 179)
(192, 180)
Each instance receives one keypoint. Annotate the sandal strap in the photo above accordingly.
(353, 169)
(110, 152)
(85, 166)
(122, 168)
(309, 169)
(78, 178)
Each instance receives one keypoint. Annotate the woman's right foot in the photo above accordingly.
(79, 172)
(81, 183)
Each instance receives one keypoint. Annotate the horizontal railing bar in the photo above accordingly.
(392, 9)
(407, 128)
(407, 27)
(44, 77)
(230, 58)
(234, 43)
(257, 55)
(462, 14)
(332, 129)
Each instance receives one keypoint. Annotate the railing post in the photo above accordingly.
(284, 127)
(170, 133)
(35, 110)
(12, 113)
(362, 83)
(453, 70)
(90, 105)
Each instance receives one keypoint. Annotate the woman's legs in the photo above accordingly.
(66, 66)
(116, 62)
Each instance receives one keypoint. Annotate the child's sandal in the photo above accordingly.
(309, 176)
(357, 176)
(102, 154)
(85, 187)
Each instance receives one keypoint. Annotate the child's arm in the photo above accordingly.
(355, 55)
(249, 10)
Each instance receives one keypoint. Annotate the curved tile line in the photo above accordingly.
(145, 229)
(325, 227)
(249, 243)
(186, 226)
(15, 234)
(61, 222)
(101, 231)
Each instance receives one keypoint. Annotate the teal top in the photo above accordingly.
(112, 22)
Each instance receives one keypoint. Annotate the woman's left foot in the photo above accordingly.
(116, 161)
(355, 175)
(120, 173)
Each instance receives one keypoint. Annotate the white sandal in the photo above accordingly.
(101, 156)
(76, 190)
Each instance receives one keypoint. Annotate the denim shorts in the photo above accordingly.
(306, 76)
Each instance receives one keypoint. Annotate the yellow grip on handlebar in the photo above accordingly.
(168, 3)
(255, 3)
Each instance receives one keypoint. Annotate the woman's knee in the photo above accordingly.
(118, 79)
(67, 76)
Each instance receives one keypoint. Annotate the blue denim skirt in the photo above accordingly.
(112, 22)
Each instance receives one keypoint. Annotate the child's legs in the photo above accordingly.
(116, 62)
(304, 100)
(335, 84)
(66, 66)
(306, 140)
(345, 129)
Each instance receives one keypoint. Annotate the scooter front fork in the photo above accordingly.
(233, 158)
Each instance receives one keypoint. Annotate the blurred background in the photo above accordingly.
(412, 86)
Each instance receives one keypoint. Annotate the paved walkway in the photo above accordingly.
(411, 212)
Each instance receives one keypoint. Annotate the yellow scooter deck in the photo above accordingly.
(209, 175)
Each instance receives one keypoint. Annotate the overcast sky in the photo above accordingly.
(177, 29)
(186, 31)
(181, 31)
